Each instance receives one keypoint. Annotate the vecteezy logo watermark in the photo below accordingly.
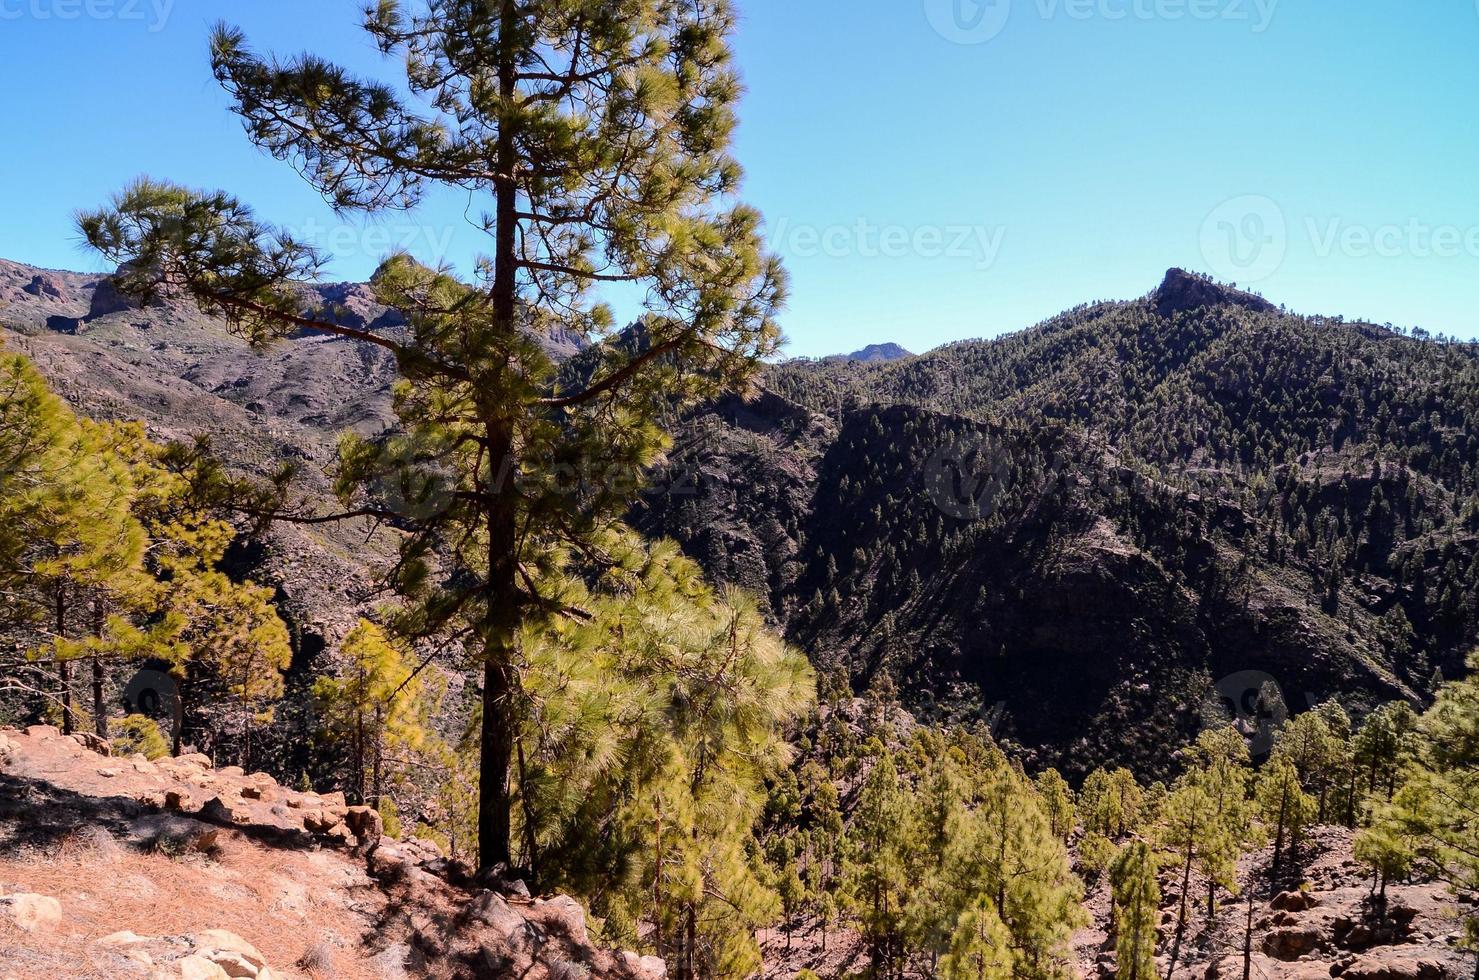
(1245, 239)
(978, 21)
(153, 14)
(1250, 701)
(979, 244)
(407, 484)
(967, 476)
(154, 694)
(969, 21)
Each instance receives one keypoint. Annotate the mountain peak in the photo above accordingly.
(874, 352)
(1182, 290)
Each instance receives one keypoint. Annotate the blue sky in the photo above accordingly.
(931, 169)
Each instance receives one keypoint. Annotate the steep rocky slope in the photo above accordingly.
(121, 867)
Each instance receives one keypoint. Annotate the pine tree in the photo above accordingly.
(1222, 768)
(1006, 851)
(1388, 846)
(1057, 798)
(1193, 836)
(1383, 745)
(644, 759)
(373, 707)
(1110, 803)
(880, 842)
(1433, 816)
(74, 549)
(600, 142)
(1137, 900)
(1285, 809)
(981, 946)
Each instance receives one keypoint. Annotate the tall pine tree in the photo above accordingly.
(597, 134)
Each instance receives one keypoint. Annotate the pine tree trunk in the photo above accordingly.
(377, 780)
(1276, 866)
(359, 755)
(63, 667)
(99, 710)
(499, 682)
(64, 673)
(1191, 837)
(1248, 937)
(690, 943)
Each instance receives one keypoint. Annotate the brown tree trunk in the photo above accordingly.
(531, 837)
(1248, 937)
(64, 674)
(1191, 836)
(63, 667)
(99, 709)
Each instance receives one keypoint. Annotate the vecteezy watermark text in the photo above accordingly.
(1246, 238)
(431, 243)
(154, 14)
(978, 244)
(978, 21)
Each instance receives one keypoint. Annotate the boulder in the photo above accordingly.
(176, 799)
(320, 821)
(173, 833)
(566, 914)
(390, 864)
(1294, 901)
(32, 912)
(197, 967)
(1394, 963)
(92, 742)
(491, 910)
(1292, 942)
(45, 286)
(212, 941)
(217, 810)
(366, 824)
(42, 732)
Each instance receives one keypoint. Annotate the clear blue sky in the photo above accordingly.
(923, 189)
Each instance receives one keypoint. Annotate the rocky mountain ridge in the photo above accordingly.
(1068, 533)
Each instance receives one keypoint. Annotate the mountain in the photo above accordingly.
(873, 353)
(1067, 533)
(1071, 532)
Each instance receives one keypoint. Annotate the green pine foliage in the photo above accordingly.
(612, 167)
(374, 709)
(1137, 910)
